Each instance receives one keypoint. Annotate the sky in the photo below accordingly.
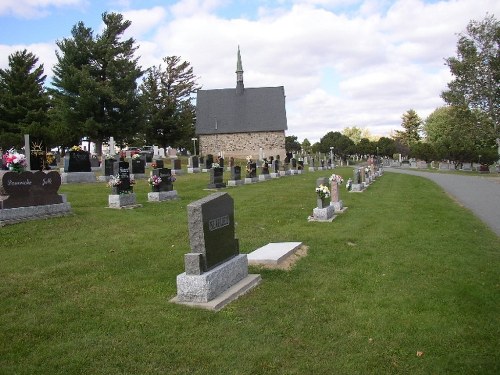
(343, 63)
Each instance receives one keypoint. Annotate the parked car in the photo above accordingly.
(132, 150)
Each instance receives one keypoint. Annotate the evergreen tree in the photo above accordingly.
(412, 125)
(95, 82)
(166, 100)
(23, 101)
(477, 72)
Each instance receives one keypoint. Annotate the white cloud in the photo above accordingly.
(342, 62)
(44, 51)
(33, 8)
(143, 20)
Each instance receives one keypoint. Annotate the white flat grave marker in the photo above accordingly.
(273, 253)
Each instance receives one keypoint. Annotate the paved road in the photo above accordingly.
(479, 194)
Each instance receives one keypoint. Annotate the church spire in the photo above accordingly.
(239, 74)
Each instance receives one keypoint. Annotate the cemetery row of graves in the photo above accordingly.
(342, 308)
(215, 272)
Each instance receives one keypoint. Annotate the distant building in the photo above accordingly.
(241, 121)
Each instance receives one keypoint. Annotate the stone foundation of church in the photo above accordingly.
(240, 145)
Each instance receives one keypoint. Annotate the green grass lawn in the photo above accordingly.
(404, 270)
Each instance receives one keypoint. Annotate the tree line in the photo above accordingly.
(98, 90)
(465, 129)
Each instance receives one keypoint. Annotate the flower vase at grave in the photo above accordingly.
(322, 202)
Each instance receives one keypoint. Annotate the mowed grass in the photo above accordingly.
(404, 270)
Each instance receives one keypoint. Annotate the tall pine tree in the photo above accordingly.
(95, 81)
(166, 101)
(23, 101)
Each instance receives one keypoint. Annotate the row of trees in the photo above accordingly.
(97, 92)
(466, 129)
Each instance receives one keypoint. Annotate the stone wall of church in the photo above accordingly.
(240, 145)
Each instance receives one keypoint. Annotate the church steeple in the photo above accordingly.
(239, 74)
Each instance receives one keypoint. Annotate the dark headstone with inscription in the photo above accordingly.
(236, 173)
(110, 167)
(77, 161)
(221, 162)
(300, 164)
(214, 266)
(27, 189)
(294, 163)
(159, 163)
(265, 168)
(251, 170)
(276, 164)
(176, 164)
(36, 162)
(209, 161)
(202, 160)
(211, 233)
(124, 176)
(139, 165)
(195, 162)
(166, 179)
(216, 178)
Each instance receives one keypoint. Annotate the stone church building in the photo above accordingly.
(238, 122)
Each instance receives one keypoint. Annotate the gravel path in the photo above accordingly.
(479, 194)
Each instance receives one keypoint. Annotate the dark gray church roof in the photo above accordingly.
(227, 111)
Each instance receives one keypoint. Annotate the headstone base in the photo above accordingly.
(176, 172)
(103, 178)
(234, 182)
(274, 175)
(210, 284)
(251, 180)
(21, 214)
(312, 169)
(323, 214)
(264, 177)
(339, 207)
(162, 196)
(231, 294)
(137, 176)
(357, 188)
(122, 201)
(71, 177)
(194, 170)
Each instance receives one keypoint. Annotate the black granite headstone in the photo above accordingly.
(209, 162)
(195, 162)
(265, 168)
(138, 166)
(166, 179)
(251, 170)
(236, 173)
(176, 164)
(221, 162)
(110, 167)
(124, 176)
(211, 230)
(159, 163)
(29, 189)
(216, 178)
(77, 161)
(294, 163)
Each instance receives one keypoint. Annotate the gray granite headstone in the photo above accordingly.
(211, 233)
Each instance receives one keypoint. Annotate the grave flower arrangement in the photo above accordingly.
(348, 184)
(49, 157)
(14, 161)
(154, 180)
(75, 148)
(108, 157)
(115, 181)
(215, 165)
(337, 178)
(323, 191)
(136, 157)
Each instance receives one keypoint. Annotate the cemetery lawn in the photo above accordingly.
(405, 282)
